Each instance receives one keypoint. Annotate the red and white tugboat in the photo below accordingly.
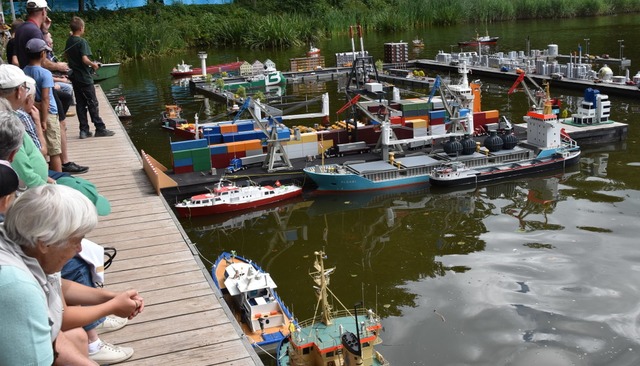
(226, 196)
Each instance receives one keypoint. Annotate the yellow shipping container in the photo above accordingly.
(309, 137)
(418, 122)
(292, 142)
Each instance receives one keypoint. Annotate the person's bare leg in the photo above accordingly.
(63, 142)
(93, 335)
(55, 163)
(71, 347)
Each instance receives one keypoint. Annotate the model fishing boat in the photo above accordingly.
(479, 40)
(332, 337)
(121, 109)
(226, 196)
(171, 119)
(313, 51)
(251, 295)
(549, 148)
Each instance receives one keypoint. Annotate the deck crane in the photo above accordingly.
(275, 150)
(453, 102)
(540, 100)
(243, 108)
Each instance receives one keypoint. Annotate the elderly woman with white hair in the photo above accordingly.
(33, 249)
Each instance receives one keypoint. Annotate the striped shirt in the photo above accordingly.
(29, 126)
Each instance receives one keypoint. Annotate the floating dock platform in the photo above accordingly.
(576, 84)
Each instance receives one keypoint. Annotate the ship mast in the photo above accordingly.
(321, 278)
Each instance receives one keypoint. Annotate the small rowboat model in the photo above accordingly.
(226, 196)
(251, 295)
(122, 110)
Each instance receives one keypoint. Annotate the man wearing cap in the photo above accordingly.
(37, 20)
(36, 17)
(13, 85)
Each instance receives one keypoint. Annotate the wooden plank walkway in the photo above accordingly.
(185, 321)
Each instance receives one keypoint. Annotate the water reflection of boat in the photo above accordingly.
(533, 200)
(332, 337)
(274, 223)
(417, 42)
(596, 165)
(251, 294)
(328, 204)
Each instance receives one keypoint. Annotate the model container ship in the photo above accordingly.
(416, 121)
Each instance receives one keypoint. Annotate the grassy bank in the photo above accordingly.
(158, 30)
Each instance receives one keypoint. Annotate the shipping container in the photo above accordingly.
(188, 145)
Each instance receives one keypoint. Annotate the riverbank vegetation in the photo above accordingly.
(157, 29)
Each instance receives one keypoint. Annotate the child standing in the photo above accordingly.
(37, 51)
(78, 55)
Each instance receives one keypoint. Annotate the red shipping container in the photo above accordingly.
(183, 169)
(396, 120)
(219, 161)
(479, 117)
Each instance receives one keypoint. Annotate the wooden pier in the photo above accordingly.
(185, 320)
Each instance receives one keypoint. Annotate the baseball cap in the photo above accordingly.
(89, 190)
(32, 86)
(37, 4)
(8, 179)
(36, 45)
(11, 76)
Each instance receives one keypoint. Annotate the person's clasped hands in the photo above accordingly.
(128, 304)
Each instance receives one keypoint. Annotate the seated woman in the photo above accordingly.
(33, 249)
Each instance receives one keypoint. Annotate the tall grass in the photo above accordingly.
(157, 29)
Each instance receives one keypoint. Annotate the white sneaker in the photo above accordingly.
(111, 323)
(109, 354)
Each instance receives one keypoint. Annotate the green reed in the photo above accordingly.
(156, 29)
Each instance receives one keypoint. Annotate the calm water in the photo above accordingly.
(537, 271)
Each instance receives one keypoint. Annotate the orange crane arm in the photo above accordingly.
(515, 85)
(353, 101)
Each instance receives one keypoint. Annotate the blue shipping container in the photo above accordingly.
(188, 145)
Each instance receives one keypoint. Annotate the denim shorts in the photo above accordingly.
(77, 270)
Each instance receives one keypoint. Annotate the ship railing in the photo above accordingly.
(369, 319)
